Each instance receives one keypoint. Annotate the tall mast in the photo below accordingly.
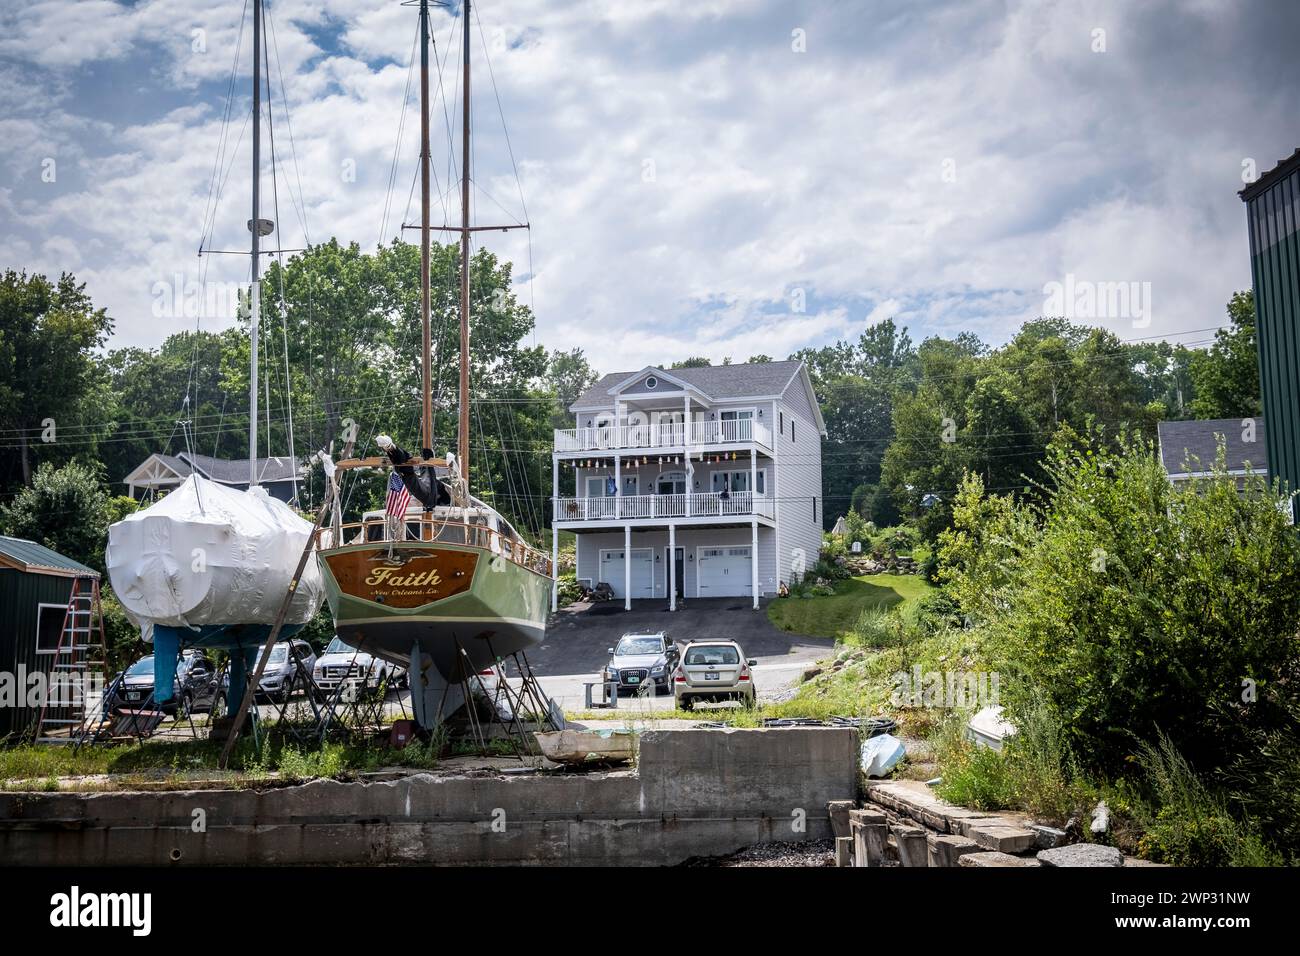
(427, 359)
(463, 448)
(254, 226)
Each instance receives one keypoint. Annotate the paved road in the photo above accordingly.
(578, 638)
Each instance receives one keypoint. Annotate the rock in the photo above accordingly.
(810, 672)
(993, 858)
(1048, 837)
(1081, 854)
(1100, 819)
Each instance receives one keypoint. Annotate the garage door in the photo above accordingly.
(724, 572)
(643, 571)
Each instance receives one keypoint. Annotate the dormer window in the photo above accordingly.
(652, 382)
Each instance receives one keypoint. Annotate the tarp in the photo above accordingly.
(209, 556)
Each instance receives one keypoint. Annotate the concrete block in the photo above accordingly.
(839, 814)
(1001, 838)
(913, 848)
(946, 849)
(843, 851)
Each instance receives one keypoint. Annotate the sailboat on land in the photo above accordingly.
(209, 566)
(449, 587)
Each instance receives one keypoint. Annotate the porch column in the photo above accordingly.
(627, 567)
(618, 485)
(753, 561)
(753, 481)
(672, 567)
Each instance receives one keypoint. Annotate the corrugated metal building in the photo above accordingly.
(35, 587)
(1273, 218)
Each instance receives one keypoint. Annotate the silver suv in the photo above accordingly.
(637, 660)
(713, 671)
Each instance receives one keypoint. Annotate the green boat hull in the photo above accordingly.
(456, 607)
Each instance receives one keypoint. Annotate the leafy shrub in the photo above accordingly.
(569, 590)
(1132, 607)
(1187, 824)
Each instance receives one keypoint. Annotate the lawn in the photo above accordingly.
(833, 615)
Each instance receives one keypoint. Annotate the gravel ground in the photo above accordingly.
(814, 853)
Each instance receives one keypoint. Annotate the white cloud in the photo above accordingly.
(772, 169)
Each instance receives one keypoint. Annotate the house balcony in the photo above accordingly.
(701, 505)
(734, 431)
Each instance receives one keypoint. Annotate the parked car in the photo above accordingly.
(637, 660)
(193, 689)
(713, 671)
(281, 676)
(343, 664)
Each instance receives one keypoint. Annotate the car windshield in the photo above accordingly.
(639, 645)
(279, 654)
(338, 647)
(141, 668)
(715, 654)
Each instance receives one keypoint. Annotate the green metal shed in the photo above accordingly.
(1273, 220)
(35, 588)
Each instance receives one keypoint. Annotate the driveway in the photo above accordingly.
(579, 636)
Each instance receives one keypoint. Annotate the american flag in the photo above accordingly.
(398, 496)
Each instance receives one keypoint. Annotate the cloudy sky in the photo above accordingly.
(716, 177)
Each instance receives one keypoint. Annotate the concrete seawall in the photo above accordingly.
(694, 793)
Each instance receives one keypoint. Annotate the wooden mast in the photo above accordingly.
(425, 278)
(254, 226)
(463, 447)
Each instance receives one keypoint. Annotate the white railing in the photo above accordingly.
(664, 435)
(730, 431)
(694, 505)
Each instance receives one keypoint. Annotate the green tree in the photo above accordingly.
(67, 509)
(1226, 378)
(694, 361)
(48, 334)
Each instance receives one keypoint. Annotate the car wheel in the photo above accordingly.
(183, 706)
(218, 708)
(686, 705)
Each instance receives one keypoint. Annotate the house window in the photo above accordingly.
(736, 481)
(814, 507)
(49, 625)
(781, 417)
(792, 428)
(596, 487)
(652, 382)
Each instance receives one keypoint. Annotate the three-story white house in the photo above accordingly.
(693, 482)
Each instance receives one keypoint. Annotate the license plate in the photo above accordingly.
(133, 695)
(711, 676)
(634, 680)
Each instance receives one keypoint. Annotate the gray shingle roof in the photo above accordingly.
(37, 557)
(235, 471)
(716, 381)
(1192, 446)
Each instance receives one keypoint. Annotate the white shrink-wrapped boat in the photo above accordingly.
(209, 566)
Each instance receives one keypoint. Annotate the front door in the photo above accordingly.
(679, 571)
